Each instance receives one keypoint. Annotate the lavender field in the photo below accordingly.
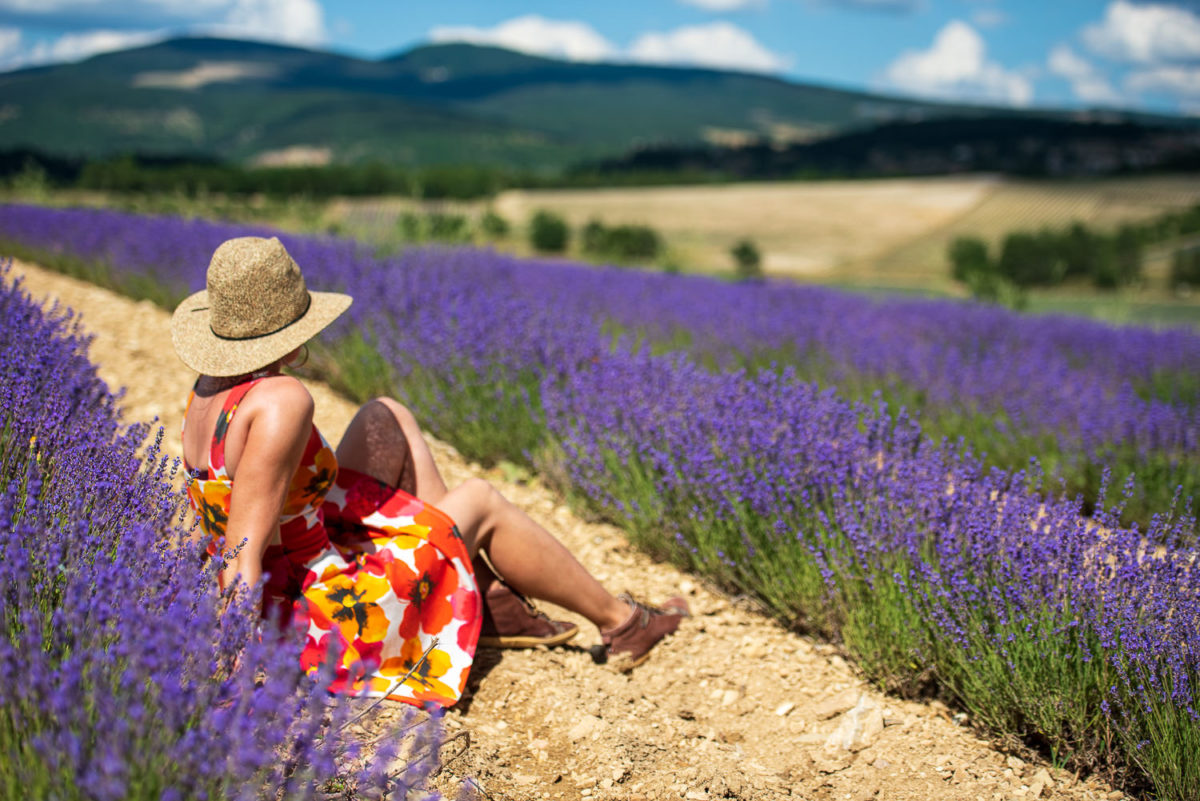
(112, 688)
(1018, 536)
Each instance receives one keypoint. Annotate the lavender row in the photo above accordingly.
(1082, 396)
(845, 520)
(119, 672)
(844, 517)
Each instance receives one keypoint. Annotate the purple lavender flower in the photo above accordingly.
(117, 662)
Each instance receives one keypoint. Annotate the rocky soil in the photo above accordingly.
(734, 706)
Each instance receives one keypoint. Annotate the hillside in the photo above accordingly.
(453, 103)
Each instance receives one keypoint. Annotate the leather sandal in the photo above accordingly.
(510, 620)
(630, 642)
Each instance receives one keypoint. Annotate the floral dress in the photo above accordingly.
(362, 567)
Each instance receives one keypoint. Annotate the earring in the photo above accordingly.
(303, 360)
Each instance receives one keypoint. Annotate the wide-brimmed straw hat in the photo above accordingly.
(255, 311)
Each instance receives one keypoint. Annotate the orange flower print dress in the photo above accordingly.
(364, 569)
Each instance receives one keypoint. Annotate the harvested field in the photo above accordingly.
(871, 233)
(1030, 205)
(806, 230)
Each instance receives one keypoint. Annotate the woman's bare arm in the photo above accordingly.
(279, 418)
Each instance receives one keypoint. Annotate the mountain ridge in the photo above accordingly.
(432, 104)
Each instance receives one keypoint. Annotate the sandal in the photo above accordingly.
(645, 628)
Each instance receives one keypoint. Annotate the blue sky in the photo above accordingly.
(1092, 53)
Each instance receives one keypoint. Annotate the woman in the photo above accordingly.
(363, 549)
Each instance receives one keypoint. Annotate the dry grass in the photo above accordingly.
(876, 233)
(1027, 205)
(804, 229)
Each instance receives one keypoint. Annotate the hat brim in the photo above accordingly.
(205, 352)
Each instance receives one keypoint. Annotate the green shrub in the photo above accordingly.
(747, 260)
(594, 237)
(548, 232)
(494, 226)
(971, 264)
(1185, 268)
(1031, 259)
(412, 228)
(634, 242)
(445, 227)
(1127, 268)
(969, 259)
(1083, 253)
(622, 243)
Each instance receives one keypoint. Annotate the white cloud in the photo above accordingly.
(11, 54)
(10, 41)
(78, 46)
(1145, 33)
(574, 41)
(293, 21)
(1088, 84)
(1180, 81)
(718, 44)
(956, 67)
(724, 5)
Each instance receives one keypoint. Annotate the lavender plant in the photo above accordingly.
(1041, 611)
(1081, 396)
(124, 677)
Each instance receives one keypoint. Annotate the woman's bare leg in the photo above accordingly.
(531, 560)
(384, 441)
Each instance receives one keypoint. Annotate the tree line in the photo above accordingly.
(1051, 257)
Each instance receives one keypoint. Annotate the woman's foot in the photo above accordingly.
(510, 620)
(629, 644)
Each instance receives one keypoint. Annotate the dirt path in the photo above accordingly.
(734, 706)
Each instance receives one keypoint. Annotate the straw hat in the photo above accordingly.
(255, 311)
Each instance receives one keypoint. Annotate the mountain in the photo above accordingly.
(452, 103)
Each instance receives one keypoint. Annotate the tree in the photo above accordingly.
(595, 238)
(1031, 259)
(1185, 269)
(623, 243)
(1128, 247)
(747, 260)
(548, 232)
(493, 225)
(969, 259)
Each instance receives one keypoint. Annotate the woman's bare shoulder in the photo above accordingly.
(282, 398)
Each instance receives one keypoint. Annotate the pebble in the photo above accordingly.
(585, 727)
(859, 727)
(1042, 781)
(783, 709)
(837, 704)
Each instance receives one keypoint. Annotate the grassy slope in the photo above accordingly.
(433, 104)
